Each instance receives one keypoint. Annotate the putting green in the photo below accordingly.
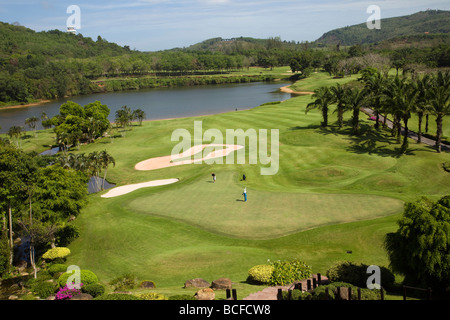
(219, 208)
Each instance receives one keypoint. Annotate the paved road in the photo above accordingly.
(411, 134)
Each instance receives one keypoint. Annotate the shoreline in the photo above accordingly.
(286, 89)
(32, 104)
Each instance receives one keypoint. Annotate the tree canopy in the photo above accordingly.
(420, 248)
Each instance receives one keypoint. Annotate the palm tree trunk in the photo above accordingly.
(405, 137)
(419, 134)
(355, 120)
(340, 116)
(104, 179)
(438, 133)
(325, 116)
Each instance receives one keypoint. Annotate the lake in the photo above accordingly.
(162, 103)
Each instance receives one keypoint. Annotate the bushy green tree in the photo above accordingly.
(420, 248)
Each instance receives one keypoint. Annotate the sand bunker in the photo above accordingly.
(118, 191)
(171, 161)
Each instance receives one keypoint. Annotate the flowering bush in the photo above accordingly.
(66, 293)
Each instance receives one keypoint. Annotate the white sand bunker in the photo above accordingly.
(171, 161)
(118, 191)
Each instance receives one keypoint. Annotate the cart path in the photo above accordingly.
(270, 293)
(411, 134)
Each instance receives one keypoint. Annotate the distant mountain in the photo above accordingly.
(423, 22)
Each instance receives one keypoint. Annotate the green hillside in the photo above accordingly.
(430, 21)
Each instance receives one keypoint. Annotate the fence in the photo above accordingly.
(343, 293)
(428, 291)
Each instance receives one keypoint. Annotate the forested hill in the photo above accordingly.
(424, 22)
(19, 40)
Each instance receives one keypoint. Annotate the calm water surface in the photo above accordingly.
(163, 103)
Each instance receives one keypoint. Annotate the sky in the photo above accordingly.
(152, 25)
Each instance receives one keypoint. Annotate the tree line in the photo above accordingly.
(398, 97)
(54, 64)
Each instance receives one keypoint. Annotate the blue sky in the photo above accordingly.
(151, 25)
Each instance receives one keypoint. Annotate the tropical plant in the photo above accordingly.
(32, 122)
(106, 159)
(139, 115)
(439, 102)
(375, 84)
(356, 99)
(338, 93)
(323, 98)
(402, 97)
(15, 132)
(421, 108)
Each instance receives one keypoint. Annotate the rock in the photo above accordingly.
(146, 284)
(22, 266)
(221, 284)
(205, 294)
(13, 297)
(197, 283)
(82, 296)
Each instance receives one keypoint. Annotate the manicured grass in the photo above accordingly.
(219, 208)
(333, 193)
(320, 79)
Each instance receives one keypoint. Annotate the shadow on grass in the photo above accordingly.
(368, 140)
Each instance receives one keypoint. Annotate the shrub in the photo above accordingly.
(43, 289)
(151, 296)
(296, 294)
(117, 296)
(286, 272)
(94, 289)
(87, 277)
(56, 268)
(357, 275)
(54, 253)
(366, 294)
(124, 282)
(260, 273)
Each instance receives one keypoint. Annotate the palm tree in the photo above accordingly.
(94, 166)
(323, 98)
(356, 99)
(15, 132)
(375, 85)
(421, 108)
(393, 94)
(139, 114)
(439, 107)
(106, 159)
(31, 122)
(338, 97)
